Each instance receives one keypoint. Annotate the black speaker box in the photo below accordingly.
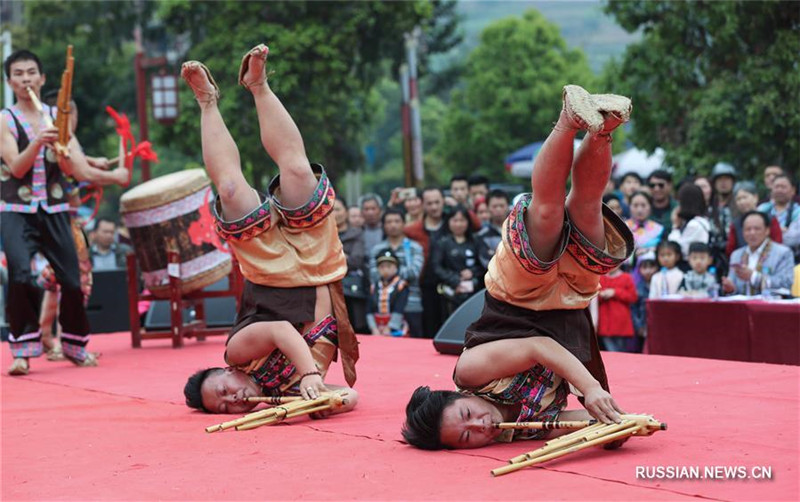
(450, 338)
(220, 312)
(107, 309)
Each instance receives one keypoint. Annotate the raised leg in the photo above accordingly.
(220, 154)
(590, 173)
(545, 217)
(279, 134)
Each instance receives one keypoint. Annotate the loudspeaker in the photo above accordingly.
(450, 338)
(107, 309)
(220, 312)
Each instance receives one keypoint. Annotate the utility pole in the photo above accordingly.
(412, 45)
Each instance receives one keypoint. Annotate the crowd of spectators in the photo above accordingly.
(415, 259)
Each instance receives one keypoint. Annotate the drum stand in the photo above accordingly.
(177, 300)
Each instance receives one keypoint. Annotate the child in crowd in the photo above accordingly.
(389, 297)
(647, 267)
(615, 326)
(669, 278)
(699, 281)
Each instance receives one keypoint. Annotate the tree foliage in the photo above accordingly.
(326, 57)
(511, 93)
(714, 81)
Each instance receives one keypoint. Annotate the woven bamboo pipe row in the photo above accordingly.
(592, 435)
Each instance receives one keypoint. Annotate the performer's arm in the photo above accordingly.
(502, 358)
(81, 167)
(260, 339)
(21, 162)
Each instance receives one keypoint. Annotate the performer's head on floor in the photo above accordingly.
(220, 390)
(439, 419)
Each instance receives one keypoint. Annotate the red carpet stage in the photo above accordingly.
(122, 432)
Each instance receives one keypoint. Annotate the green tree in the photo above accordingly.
(714, 81)
(326, 57)
(511, 94)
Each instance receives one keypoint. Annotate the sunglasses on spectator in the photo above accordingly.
(657, 185)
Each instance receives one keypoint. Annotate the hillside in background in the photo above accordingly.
(583, 24)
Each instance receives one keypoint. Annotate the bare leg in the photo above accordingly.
(551, 169)
(220, 154)
(279, 134)
(590, 174)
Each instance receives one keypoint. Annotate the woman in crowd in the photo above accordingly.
(705, 185)
(456, 260)
(356, 282)
(481, 210)
(691, 224)
(646, 232)
(746, 199)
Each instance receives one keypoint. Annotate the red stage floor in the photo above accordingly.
(122, 432)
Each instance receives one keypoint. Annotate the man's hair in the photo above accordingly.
(458, 177)
(431, 189)
(498, 194)
(699, 247)
(611, 196)
(391, 210)
(21, 55)
(106, 219)
(194, 397)
(368, 197)
(478, 179)
(343, 203)
(785, 176)
(661, 174)
(764, 217)
(423, 425)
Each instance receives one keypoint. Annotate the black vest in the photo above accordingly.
(20, 190)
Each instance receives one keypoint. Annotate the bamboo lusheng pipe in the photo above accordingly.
(276, 419)
(64, 102)
(632, 427)
(548, 425)
(48, 121)
(273, 400)
(587, 435)
(288, 410)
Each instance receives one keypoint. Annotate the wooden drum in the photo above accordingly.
(159, 214)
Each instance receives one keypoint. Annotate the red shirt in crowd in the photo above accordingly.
(614, 314)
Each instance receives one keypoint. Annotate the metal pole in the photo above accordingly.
(412, 43)
(141, 96)
(405, 116)
(8, 94)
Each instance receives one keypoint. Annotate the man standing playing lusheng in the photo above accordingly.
(34, 216)
(292, 317)
(534, 339)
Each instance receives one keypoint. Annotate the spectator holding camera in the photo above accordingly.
(456, 260)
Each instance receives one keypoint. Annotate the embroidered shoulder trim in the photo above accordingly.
(245, 228)
(519, 243)
(318, 206)
(598, 260)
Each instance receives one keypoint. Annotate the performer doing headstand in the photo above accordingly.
(535, 338)
(292, 314)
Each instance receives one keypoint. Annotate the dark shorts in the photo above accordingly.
(500, 321)
(264, 303)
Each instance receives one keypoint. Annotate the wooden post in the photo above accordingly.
(175, 303)
(133, 301)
